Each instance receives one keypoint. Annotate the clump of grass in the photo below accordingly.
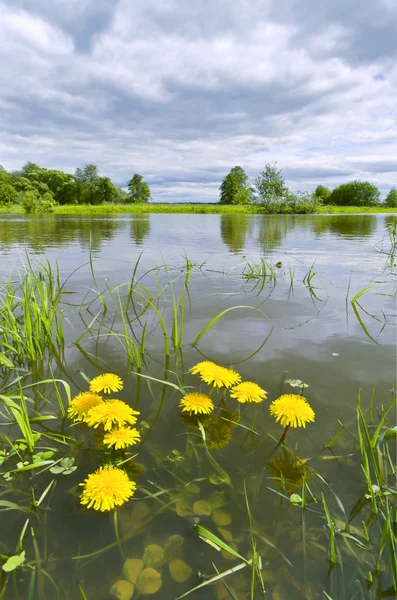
(31, 319)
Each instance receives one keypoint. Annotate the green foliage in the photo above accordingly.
(355, 193)
(33, 203)
(8, 194)
(322, 192)
(269, 186)
(139, 191)
(235, 188)
(391, 198)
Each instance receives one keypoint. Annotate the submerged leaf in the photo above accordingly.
(153, 556)
(221, 518)
(193, 488)
(229, 555)
(183, 508)
(131, 569)
(217, 500)
(122, 589)
(179, 570)
(149, 581)
(202, 507)
(173, 548)
(226, 534)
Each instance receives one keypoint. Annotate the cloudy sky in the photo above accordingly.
(181, 91)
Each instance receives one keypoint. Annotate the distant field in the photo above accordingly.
(188, 208)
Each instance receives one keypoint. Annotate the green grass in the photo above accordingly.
(189, 209)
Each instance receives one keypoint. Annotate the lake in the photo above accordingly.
(309, 298)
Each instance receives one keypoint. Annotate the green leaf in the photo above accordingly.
(296, 500)
(13, 562)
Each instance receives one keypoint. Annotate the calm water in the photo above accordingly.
(311, 334)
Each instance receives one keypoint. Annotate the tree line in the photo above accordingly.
(39, 190)
(270, 190)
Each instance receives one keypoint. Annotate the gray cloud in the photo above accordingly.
(182, 92)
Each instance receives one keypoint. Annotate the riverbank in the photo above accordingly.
(193, 209)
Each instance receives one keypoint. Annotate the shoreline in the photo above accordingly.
(195, 209)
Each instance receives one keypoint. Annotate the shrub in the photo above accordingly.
(323, 193)
(391, 198)
(355, 193)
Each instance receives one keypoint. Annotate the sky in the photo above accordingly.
(182, 91)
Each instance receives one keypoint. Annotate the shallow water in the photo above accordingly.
(299, 324)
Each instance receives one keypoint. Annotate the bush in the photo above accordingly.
(355, 193)
(323, 193)
(8, 194)
(391, 198)
(34, 204)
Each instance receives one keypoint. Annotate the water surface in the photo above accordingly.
(310, 332)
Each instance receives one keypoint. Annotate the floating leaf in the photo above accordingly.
(173, 548)
(122, 589)
(13, 562)
(202, 507)
(179, 570)
(153, 556)
(226, 534)
(221, 518)
(149, 581)
(131, 569)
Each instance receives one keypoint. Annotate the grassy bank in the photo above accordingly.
(191, 209)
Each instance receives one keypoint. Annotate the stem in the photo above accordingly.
(282, 439)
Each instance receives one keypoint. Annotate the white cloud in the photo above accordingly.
(175, 90)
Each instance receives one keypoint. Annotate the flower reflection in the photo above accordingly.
(218, 429)
(287, 470)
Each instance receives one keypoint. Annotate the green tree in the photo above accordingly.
(391, 198)
(8, 194)
(355, 193)
(322, 192)
(235, 188)
(270, 186)
(138, 189)
(107, 189)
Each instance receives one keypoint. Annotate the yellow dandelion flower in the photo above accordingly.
(81, 404)
(110, 414)
(216, 375)
(108, 382)
(202, 367)
(292, 410)
(107, 488)
(121, 438)
(247, 391)
(196, 403)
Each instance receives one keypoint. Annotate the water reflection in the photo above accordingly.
(234, 231)
(140, 228)
(273, 229)
(345, 225)
(38, 233)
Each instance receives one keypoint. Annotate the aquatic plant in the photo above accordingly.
(197, 403)
(216, 375)
(121, 438)
(81, 404)
(107, 383)
(248, 392)
(111, 413)
(291, 410)
(107, 488)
